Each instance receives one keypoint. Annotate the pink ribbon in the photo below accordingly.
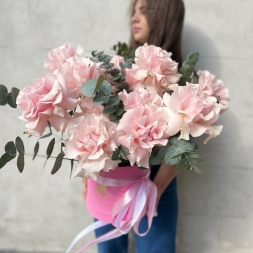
(139, 200)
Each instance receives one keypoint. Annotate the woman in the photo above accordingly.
(159, 23)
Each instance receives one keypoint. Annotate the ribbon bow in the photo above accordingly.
(139, 200)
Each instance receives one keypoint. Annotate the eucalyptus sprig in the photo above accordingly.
(123, 50)
(101, 90)
(182, 153)
(188, 69)
(8, 97)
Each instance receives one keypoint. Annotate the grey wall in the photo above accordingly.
(42, 213)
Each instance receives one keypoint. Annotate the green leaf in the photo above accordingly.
(5, 158)
(119, 112)
(99, 82)
(109, 109)
(50, 147)
(100, 99)
(88, 88)
(14, 93)
(58, 163)
(193, 156)
(116, 155)
(71, 167)
(3, 94)
(106, 88)
(194, 57)
(45, 136)
(20, 146)
(124, 150)
(196, 169)
(114, 100)
(10, 101)
(36, 149)
(184, 145)
(122, 65)
(10, 148)
(157, 155)
(128, 65)
(183, 164)
(186, 71)
(21, 162)
(113, 118)
(115, 78)
(170, 154)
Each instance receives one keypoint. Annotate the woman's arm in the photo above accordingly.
(164, 176)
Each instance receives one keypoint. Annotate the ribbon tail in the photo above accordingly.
(108, 236)
(141, 200)
(151, 209)
(85, 231)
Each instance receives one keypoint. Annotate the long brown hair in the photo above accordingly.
(165, 19)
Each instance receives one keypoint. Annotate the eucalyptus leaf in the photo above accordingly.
(58, 163)
(100, 99)
(171, 152)
(50, 148)
(106, 88)
(183, 164)
(14, 93)
(193, 156)
(109, 109)
(196, 169)
(116, 155)
(71, 166)
(36, 149)
(114, 100)
(119, 112)
(21, 162)
(46, 135)
(122, 65)
(115, 72)
(10, 148)
(184, 145)
(115, 78)
(87, 89)
(124, 150)
(157, 155)
(3, 94)
(194, 57)
(20, 145)
(99, 82)
(128, 65)
(10, 101)
(5, 158)
(113, 118)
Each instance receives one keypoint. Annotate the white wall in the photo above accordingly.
(42, 213)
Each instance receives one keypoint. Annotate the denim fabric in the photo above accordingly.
(161, 236)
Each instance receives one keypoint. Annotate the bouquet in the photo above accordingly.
(128, 109)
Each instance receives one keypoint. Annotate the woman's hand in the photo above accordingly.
(164, 176)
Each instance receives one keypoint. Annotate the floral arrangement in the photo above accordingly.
(117, 110)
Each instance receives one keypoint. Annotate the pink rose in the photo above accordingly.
(79, 71)
(140, 129)
(59, 55)
(155, 69)
(46, 101)
(191, 113)
(139, 96)
(91, 139)
(211, 86)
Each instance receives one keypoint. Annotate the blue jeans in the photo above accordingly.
(161, 236)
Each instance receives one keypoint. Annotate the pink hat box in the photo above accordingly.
(100, 198)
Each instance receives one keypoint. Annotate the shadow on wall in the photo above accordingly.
(195, 40)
